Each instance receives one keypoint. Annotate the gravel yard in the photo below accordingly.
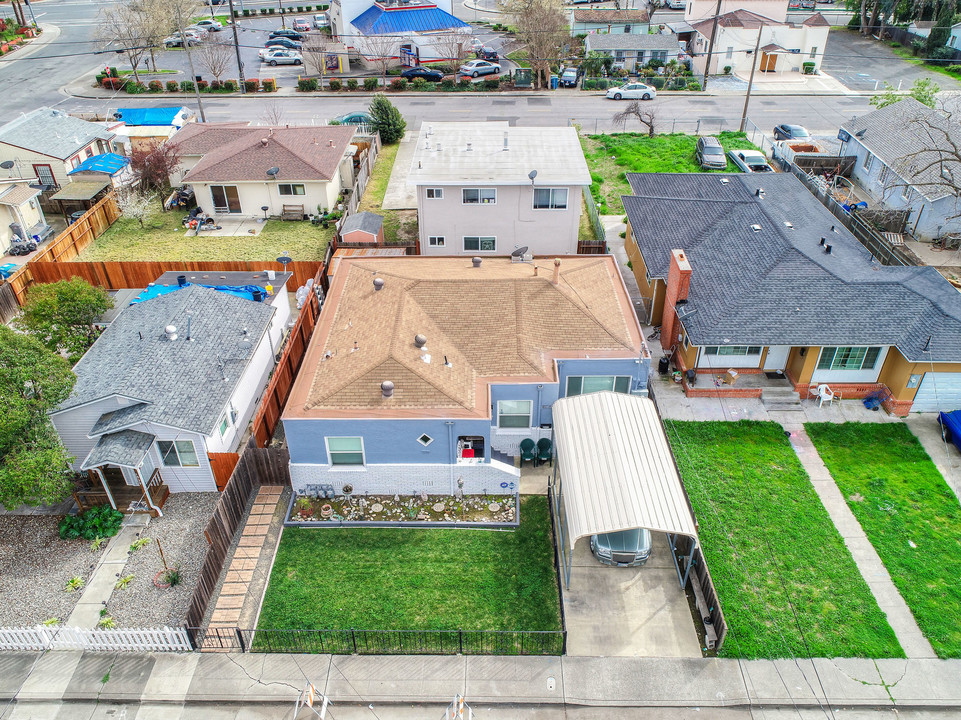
(35, 565)
(181, 535)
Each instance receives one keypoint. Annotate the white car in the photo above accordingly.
(479, 67)
(750, 161)
(632, 91)
(321, 21)
(275, 56)
(210, 25)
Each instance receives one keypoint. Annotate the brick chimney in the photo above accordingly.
(678, 284)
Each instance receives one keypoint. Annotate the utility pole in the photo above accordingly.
(750, 83)
(178, 9)
(710, 46)
(240, 64)
(283, 22)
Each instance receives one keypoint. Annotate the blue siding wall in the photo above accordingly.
(541, 414)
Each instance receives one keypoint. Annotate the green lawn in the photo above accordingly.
(414, 579)
(163, 238)
(610, 157)
(787, 584)
(910, 515)
(399, 225)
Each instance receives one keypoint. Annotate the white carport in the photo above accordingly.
(613, 470)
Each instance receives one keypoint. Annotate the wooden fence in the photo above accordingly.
(255, 467)
(222, 465)
(8, 303)
(42, 637)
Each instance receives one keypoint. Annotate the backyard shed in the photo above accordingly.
(363, 227)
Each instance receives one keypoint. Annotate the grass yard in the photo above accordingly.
(410, 579)
(611, 157)
(399, 225)
(787, 584)
(909, 514)
(163, 238)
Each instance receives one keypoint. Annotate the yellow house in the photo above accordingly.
(751, 273)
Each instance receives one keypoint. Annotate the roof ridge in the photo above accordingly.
(523, 353)
(623, 340)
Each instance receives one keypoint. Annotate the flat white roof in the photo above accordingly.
(462, 153)
(616, 469)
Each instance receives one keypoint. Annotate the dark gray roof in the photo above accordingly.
(631, 41)
(229, 278)
(172, 382)
(778, 286)
(52, 132)
(905, 136)
(126, 447)
(367, 222)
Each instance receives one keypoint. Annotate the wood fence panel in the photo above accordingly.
(9, 307)
(223, 465)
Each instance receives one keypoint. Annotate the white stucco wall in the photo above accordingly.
(805, 39)
(254, 195)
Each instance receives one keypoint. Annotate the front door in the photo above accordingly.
(776, 359)
(226, 198)
(768, 62)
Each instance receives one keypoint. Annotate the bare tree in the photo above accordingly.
(542, 27)
(126, 28)
(645, 114)
(273, 113)
(452, 47)
(315, 54)
(215, 57)
(135, 205)
(379, 49)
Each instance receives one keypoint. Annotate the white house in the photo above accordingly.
(171, 380)
(633, 51)
(488, 188)
(585, 21)
(20, 208)
(900, 166)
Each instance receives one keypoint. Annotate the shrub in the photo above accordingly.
(308, 7)
(657, 83)
(492, 83)
(370, 84)
(602, 84)
(418, 83)
(113, 83)
(954, 69)
(941, 56)
(263, 11)
(917, 47)
(727, 69)
(895, 44)
(98, 522)
(230, 85)
(203, 85)
(135, 88)
(398, 84)
(300, 8)
(589, 84)
(808, 68)
(113, 72)
(307, 84)
(694, 85)
(394, 71)
(252, 86)
(270, 11)
(269, 85)
(336, 85)
(387, 119)
(156, 86)
(215, 85)
(447, 84)
(464, 82)
(352, 84)
(173, 86)
(187, 85)
(246, 12)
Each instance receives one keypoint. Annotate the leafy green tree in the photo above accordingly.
(923, 90)
(387, 119)
(33, 462)
(941, 31)
(61, 315)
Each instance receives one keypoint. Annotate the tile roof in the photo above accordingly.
(178, 383)
(52, 132)
(906, 136)
(365, 221)
(109, 163)
(496, 321)
(610, 15)
(631, 41)
(302, 153)
(16, 194)
(778, 286)
(377, 20)
(816, 20)
(126, 447)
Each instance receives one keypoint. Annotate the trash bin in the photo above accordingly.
(554, 81)
(663, 365)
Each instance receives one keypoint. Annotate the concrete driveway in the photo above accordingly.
(633, 612)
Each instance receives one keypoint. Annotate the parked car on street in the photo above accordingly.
(321, 21)
(428, 74)
(358, 117)
(632, 91)
(486, 53)
(627, 548)
(750, 161)
(301, 25)
(282, 42)
(474, 44)
(479, 67)
(176, 40)
(280, 56)
(287, 33)
(785, 131)
(709, 153)
(210, 25)
(568, 78)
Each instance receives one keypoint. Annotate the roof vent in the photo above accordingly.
(505, 141)
(759, 193)
(420, 341)
(330, 143)
(387, 389)
(171, 332)
(427, 145)
(477, 261)
(378, 283)
(724, 181)
(827, 249)
(823, 240)
(263, 141)
(756, 228)
(788, 225)
(438, 146)
(469, 148)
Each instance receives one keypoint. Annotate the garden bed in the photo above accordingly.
(393, 509)
(909, 514)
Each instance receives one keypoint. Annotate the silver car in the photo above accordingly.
(273, 56)
(750, 161)
(627, 548)
(479, 67)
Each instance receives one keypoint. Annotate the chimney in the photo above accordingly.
(330, 143)
(477, 261)
(378, 283)
(387, 389)
(420, 341)
(678, 285)
(557, 271)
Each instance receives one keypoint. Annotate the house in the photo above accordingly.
(954, 39)
(752, 273)
(171, 381)
(111, 167)
(489, 188)
(696, 10)
(145, 128)
(633, 51)
(922, 28)
(363, 227)
(48, 144)
(425, 374)
(227, 166)
(785, 46)
(900, 166)
(585, 21)
(20, 212)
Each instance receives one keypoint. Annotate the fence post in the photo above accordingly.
(460, 639)
(563, 642)
(353, 638)
(240, 638)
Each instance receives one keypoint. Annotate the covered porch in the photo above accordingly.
(123, 475)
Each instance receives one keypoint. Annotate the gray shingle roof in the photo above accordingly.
(905, 136)
(778, 286)
(126, 447)
(52, 132)
(631, 41)
(177, 383)
(367, 222)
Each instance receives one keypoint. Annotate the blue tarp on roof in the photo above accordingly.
(109, 163)
(244, 291)
(378, 21)
(148, 116)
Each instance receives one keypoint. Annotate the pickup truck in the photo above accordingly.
(950, 423)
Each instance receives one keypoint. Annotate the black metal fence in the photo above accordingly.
(382, 642)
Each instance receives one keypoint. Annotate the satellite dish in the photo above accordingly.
(6, 164)
(532, 174)
(285, 260)
(273, 172)
(520, 252)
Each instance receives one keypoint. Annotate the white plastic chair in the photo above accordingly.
(825, 393)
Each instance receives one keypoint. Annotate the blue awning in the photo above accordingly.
(109, 163)
(397, 20)
(148, 116)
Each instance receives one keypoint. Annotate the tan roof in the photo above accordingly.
(498, 322)
(201, 138)
(610, 15)
(735, 19)
(16, 194)
(816, 20)
(301, 153)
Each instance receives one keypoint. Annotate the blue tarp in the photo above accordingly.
(109, 163)
(148, 116)
(244, 291)
(378, 21)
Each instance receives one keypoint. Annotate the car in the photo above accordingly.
(950, 423)
(676, 4)
(287, 33)
(808, 4)
(282, 42)
(176, 40)
(216, 2)
(632, 91)
(569, 78)
(358, 117)
(486, 53)
(200, 32)
(321, 21)
(478, 67)
(428, 74)
(750, 161)
(790, 132)
(279, 56)
(300, 25)
(210, 25)
(794, 4)
(626, 548)
(474, 44)
(709, 154)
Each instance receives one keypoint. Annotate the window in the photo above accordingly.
(729, 55)
(619, 55)
(224, 424)
(291, 189)
(484, 244)
(226, 198)
(550, 198)
(514, 413)
(885, 172)
(89, 152)
(659, 55)
(848, 358)
(906, 193)
(345, 450)
(814, 53)
(868, 161)
(44, 174)
(436, 241)
(482, 196)
(584, 384)
(435, 193)
(733, 350)
(178, 453)
(914, 381)
(75, 163)
(425, 439)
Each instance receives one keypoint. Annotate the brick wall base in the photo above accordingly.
(434, 479)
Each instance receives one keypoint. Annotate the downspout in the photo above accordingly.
(453, 452)
(537, 415)
(147, 493)
(103, 481)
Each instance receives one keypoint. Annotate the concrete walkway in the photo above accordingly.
(899, 616)
(401, 195)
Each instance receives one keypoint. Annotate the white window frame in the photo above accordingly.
(868, 162)
(814, 53)
(480, 198)
(177, 451)
(292, 187)
(479, 238)
(529, 414)
(420, 439)
(436, 241)
(732, 350)
(346, 466)
(581, 378)
(551, 202)
(434, 193)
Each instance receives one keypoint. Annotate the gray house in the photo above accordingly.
(904, 161)
(631, 51)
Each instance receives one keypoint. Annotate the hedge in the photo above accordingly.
(370, 83)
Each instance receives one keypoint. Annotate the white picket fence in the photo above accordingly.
(54, 637)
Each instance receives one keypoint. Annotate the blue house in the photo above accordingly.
(425, 374)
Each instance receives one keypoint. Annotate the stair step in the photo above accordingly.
(783, 407)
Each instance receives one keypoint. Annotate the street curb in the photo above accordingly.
(50, 34)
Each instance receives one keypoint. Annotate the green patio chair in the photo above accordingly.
(527, 451)
(545, 451)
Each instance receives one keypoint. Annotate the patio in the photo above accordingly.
(228, 225)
